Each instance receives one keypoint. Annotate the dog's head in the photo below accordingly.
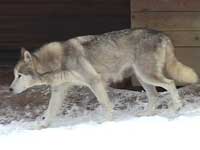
(25, 75)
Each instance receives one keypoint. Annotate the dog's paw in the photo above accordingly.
(109, 116)
(148, 112)
(41, 123)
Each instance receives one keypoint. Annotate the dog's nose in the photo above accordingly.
(10, 89)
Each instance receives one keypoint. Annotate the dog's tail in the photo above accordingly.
(176, 69)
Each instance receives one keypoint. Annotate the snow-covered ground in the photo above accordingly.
(143, 133)
(81, 125)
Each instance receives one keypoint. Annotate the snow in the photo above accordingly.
(136, 133)
(82, 123)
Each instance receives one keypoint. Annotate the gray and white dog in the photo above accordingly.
(96, 60)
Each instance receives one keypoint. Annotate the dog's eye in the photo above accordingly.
(19, 76)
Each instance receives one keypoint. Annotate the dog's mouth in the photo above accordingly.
(33, 89)
(14, 92)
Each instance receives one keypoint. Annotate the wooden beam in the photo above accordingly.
(165, 5)
(33, 31)
(185, 38)
(61, 1)
(189, 56)
(65, 9)
(167, 20)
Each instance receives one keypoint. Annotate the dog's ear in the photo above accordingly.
(22, 51)
(26, 55)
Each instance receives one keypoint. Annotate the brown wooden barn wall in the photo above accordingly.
(31, 23)
(180, 19)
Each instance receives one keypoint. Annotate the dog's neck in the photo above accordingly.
(58, 78)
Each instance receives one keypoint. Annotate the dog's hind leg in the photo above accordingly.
(170, 86)
(152, 95)
(158, 79)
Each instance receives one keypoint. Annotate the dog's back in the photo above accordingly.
(114, 52)
(110, 54)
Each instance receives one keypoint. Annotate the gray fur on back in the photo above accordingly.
(114, 52)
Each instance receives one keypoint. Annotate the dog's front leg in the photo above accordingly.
(94, 82)
(55, 102)
(99, 91)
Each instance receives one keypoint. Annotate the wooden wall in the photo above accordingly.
(180, 19)
(31, 23)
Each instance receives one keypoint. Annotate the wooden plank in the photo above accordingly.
(46, 23)
(64, 9)
(165, 5)
(189, 56)
(185, 38)
(22, 37)
(61, 1)
(167, 20)
(29, 31)
(34, 1)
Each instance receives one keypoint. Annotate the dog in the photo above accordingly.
(97, 60)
